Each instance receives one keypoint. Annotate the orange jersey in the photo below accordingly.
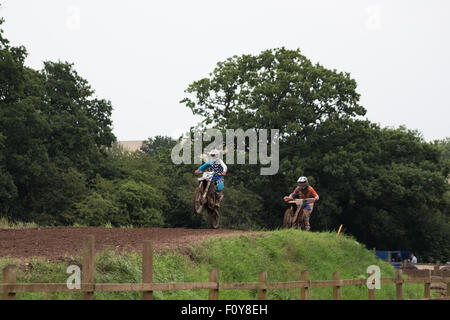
(309, 193)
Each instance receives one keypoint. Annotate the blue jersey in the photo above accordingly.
(217, 166)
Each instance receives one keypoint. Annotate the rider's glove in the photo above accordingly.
(223, 173)
(196, 171)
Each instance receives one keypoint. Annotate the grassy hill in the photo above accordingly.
(283, 253)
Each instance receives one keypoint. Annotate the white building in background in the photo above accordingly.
(131, 145)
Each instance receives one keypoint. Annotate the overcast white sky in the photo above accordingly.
(142, 55)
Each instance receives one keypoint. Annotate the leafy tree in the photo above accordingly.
(179, 186)
(80, 124)
(387, 186)
(59, 190)
(241, 209)
(95, 210)
(23, 156)
(277, 89)
(141, 203)
(154, 145)
(53, 134)
(444, 145)
(99, 206)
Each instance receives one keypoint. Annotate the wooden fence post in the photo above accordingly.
(436, 268)
(336, 289)
(147, 268)
(371, 294)
(214, 277)
(399, 284)
(427, 285)
(371, 291)
(448, 287)
(9, 276)
(304, 291)
(389, 257)
(88, 265)
(262, 292)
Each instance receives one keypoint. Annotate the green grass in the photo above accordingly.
(6, 224)
(283, 253)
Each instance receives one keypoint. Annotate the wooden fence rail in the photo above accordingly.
(9, 287)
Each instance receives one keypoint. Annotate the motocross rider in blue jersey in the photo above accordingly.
(219, 168)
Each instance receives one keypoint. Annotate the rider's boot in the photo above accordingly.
(306, 215)
(219, 199)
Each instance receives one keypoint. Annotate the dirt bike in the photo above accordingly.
(206, 197)
(293, 217)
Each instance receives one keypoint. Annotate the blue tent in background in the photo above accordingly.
(397, 256)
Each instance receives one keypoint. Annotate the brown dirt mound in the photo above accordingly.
(54, 243)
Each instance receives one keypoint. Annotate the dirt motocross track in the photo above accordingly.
(55, 243)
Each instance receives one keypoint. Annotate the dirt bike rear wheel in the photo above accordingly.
(214, 218)
(300, 223)
(197, 205)
(301, 219)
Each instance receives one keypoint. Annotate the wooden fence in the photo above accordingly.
(9, 287)
(421, 270)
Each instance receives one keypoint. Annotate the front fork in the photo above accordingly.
(206, 192)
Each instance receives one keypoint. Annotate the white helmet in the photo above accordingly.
(302, 179)
(213, 153)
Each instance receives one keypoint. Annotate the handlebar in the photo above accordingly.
(218, 174)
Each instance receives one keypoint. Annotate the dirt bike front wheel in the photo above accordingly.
(197, 201)
(289, 218)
